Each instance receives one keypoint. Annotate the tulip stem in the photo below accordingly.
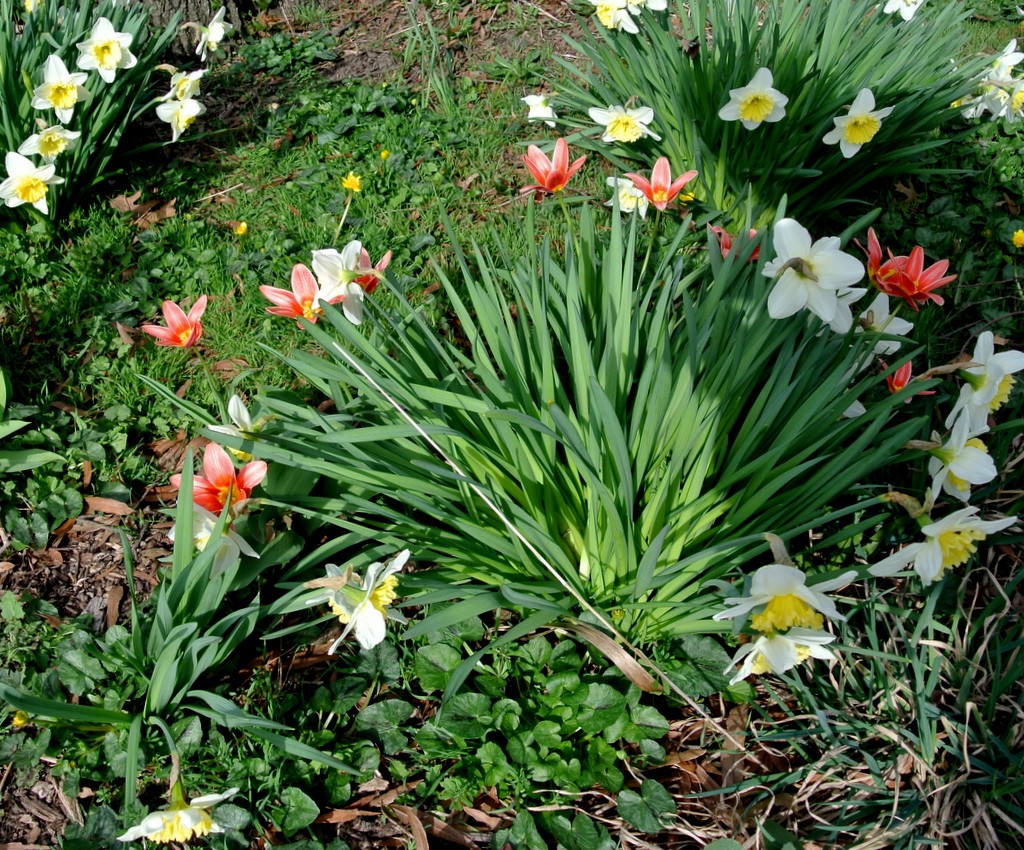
(650, 244)
(569, 224)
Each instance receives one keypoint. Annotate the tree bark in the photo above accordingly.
(199, 12)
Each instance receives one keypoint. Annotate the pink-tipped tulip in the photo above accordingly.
(303, 302)
(370, 280)
(220, 485)
(182, 331)
(661, 189)
(551, 174)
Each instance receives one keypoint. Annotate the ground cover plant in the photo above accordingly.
(495, 493)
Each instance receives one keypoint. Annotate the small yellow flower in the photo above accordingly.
(384, 154)
(1018, 239)
(352, 182)
(20, 719)
(241, 228)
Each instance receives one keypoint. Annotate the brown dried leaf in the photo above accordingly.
(344, 815)
(146, 214)
(100, 504)
(114, 596)
(449, 833)
(909, 192)
(124, 333)
(487, 821)
(123, 203)
(228, 369)
(411, 818)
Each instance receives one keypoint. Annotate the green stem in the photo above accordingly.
(174, 780)
(341, 222)
(650, 244)
(570, 225)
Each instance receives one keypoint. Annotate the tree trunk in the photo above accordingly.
(199, 12)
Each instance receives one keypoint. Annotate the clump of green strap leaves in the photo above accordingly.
(820, 55)
(28, 38)
(642, 432)
(137, 683)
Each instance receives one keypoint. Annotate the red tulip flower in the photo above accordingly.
(182, 331)
(899, 379)
(369, 281)
(220, 485)
(661, 189)
(725, 242)
(551, 174)
(907, 278)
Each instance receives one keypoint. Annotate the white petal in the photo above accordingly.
(791, 239)
(788, 296)
(863, 103)
(370, 625)
(776, 580)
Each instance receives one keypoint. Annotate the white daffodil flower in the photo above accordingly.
(179, 823)
(631, 199)
(540, 108)
(878, 318)
(906, 8)
(948, 542)
(785, 600)
(27, 184)
(229, 546)
(106, 51)
(961, 461)
(778, 653)
(362, 605)
(755, 103)
(859, 125)
(1005, 62)
(622, 124)
(60, 90)
(854, 410)
(49, 143)
(337, 274)
(179, 114)
(988, 384)
(184, 86)
(634, 6)
(213, 34)
(1015, 107)
(842, 321)
(809, 275)
(614, 14)
(242, 426)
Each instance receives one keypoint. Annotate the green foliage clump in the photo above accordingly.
(820, 56)
(54, 29)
